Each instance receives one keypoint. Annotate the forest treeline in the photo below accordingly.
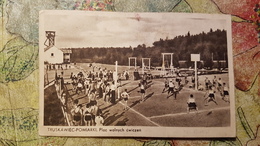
(211, 46)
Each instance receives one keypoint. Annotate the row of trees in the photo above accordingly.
(211, 46)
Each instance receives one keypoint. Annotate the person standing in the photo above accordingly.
(225, 94)
(214, 81)
(193, 81)
(206, 83)
(87, 86)
(145, 79)
(87, 115)
(79, 87)
(142, 90)
(92, 97)
(186, 80)
(125, 97)
(74, 82)
(99, 120)
(176, 89)
(178, 80)
(63, 100)
(171, 87)
(99, 87)
(76, 113)
(113, 93)
(101, 74)
(95, 109)
(126, 75)
(107, 93)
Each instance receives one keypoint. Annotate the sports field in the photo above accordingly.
(158, 109)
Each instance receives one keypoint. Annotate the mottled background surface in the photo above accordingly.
(19, 74)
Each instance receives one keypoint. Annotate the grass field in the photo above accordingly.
(158, 109)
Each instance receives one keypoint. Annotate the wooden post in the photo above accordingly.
(143, 66)
(196, 75)
(135, 63)
(195, 58)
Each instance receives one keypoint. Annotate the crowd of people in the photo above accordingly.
(95, 86)
(217, 85)
(101, 85)
(211, 87)
(90, 115)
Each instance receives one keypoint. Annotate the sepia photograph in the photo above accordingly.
(117, 74)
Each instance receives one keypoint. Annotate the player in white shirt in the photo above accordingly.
(125, 97)
(191, 103)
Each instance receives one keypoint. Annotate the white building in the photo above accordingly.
(53, 55)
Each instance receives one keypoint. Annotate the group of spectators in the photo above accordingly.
(57, 66)
(95, 86)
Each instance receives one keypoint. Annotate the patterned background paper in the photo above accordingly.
(19, 77)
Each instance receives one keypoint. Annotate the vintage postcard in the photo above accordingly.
(112, 74)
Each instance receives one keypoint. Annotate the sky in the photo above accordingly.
(112, 29)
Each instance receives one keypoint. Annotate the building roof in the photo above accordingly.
(64, 50)
(49, 47)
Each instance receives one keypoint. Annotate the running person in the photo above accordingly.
(210, 96)
(215, 81)
(145, 79)
(166, 85)
(172, 89)
(220, 85)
